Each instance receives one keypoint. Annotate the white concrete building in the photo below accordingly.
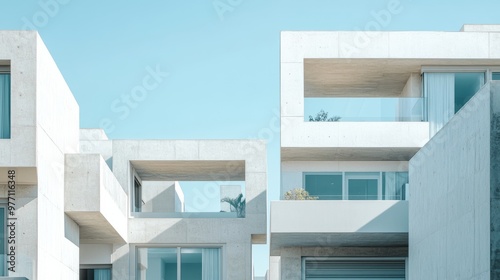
(403, 170)
(76, 205)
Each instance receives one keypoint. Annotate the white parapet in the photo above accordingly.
(339, 223)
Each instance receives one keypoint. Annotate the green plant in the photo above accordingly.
(322, 116)
(299, 194)
(237, 205)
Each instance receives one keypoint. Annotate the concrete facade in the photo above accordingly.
(76, 189)
(447, 228)
(453, 212)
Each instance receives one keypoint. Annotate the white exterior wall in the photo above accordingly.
(57, 134)
(44, 117)
(449, 234)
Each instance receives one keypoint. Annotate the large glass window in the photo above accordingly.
(324, 186)
(495, 76)
(179, 263)
(353, 268)
(4, 104)
(357, 185)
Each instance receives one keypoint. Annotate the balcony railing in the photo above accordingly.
(364, 109)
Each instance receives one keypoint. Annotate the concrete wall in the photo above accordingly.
(449, 231)
(45, 119)
(57, 117)
(495, 181)
(159, 196)
(339, 216)
(95, 199)
(20, 48)
(92, 254)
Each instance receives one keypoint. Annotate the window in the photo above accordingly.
(362, 186)
(178, 263)
(353, 268)
(357, 185)
(4, 103)
(495, 76)
(137, 195)
(324, 186)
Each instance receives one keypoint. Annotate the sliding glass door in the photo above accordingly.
(179, 263)
(356, 185)
(363, 186)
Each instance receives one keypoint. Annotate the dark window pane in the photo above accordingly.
(496, 76)
(466, 85)
(324, 186)
(191, 264)
(363, 189)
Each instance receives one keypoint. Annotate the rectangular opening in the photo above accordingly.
(179, 263)
(198, 189)
(356, 185)
(5, 102)
(98, 272)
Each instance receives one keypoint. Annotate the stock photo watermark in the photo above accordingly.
(225, 6)
(48, 9)
(123, 105)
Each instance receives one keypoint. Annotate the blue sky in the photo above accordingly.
(223, 68)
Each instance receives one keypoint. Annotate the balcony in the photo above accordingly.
(363, 109)
(94, 199)
(355, 129)
(343, 223)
